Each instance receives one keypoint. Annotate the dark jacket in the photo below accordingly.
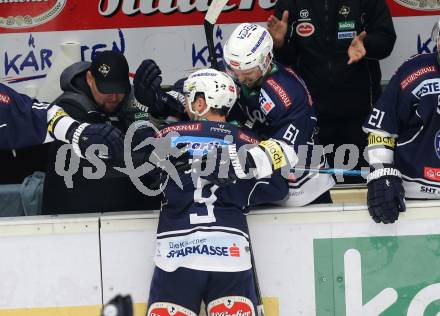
(319, 34)
(113, 192)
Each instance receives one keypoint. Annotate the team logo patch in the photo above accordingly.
(420, 5)
(344, 11)
(304, 14)
(104, 69)
(437, 143)
(305, 29)
(247, 138)
(231, 306)
(279, 90)
(4, 98)
(415, 75)
(432, 174)
(346, 35)
(168, 309)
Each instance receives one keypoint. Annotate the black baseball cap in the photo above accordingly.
(110, 70)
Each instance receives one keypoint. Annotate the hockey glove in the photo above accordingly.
(181, 164)
(169, 103)
(386, 196)
(147, 82)
(81, 136)
(118, 306)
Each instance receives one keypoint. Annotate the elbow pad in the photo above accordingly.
(271, 156)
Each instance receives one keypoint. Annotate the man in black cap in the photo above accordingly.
(108, 80)
(96, 89)
(96, 92)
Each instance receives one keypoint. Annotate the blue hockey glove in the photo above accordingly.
(81, 136)
(169, 103)
(386, 196)
(118, 306)
(147, 82)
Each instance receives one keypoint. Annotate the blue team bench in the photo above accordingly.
(24, 198)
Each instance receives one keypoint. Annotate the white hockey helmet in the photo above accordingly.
(219, 89)
(249, 46)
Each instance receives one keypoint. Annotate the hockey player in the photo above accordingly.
(25, 122)
(404, 138)
(276, 104)
(273, 102)
(202, 250)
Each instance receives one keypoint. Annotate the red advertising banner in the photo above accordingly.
(66, 15)
(413, 7)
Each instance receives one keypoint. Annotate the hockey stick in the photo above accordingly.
(211, 17)
(344, 172)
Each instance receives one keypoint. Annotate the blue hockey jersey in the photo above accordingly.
(23, 120)
(409, 112)
(282, 108)
(202, 226)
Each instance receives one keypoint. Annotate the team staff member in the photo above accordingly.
(96, 92)
(336, 46)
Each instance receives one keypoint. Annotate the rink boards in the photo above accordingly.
(322, 260)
